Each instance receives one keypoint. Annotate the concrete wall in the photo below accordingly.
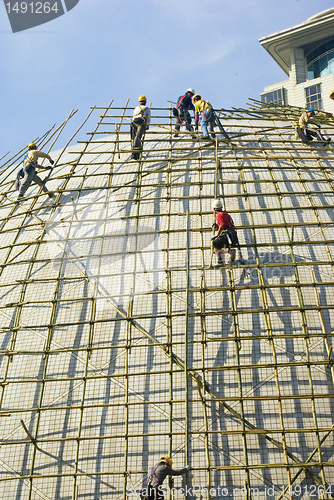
(298, 70)
(295, 92)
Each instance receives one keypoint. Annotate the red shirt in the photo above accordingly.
(224, 219)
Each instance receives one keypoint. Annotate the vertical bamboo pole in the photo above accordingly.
(169, 303)
(186, 388)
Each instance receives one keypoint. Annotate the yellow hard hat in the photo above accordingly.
(142, 98)
(331, 94)
(166, 459)
(32, 145)
(196, 97)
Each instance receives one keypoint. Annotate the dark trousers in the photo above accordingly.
(154, 494)
(137, 130)
(183, 116)
(225, 240)
(151, 494)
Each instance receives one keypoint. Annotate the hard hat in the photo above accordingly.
(191, 90)
(331, 94)
(196, 97)
(310, 111)
(166, 459)
(142, 98)
(32, 145)
(217, 204)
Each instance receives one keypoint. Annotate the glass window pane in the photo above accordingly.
(316, 69)
(331, 62)
(313, 97)
(323, 65)
(273, 97)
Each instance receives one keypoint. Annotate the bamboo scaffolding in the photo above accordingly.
(200, 353)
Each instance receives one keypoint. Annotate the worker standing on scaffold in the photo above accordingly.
(181, 112)
(28, 172)
(205, 114)
(226, 237)
(156, 477)
(140, 123)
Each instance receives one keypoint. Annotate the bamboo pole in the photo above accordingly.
(186, 329)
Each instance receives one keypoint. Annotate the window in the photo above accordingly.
(319, 51)
(321, 66)
(275, 97)
(313, 97)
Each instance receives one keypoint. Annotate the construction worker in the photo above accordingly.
(158, 474)
(331, 95)
(28, 172)
(141, 122)
(181, 112)
(204, 112)
(226, 237)
(304, 125)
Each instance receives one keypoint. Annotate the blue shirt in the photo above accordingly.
(186, 101)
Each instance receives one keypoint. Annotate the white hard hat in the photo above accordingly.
(191, 90)
(217, 204)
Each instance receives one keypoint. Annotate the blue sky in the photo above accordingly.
(119, 49)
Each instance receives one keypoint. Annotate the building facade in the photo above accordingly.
(306, 54)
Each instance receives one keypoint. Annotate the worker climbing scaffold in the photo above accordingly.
(140, 123)
(305, 130)
(156, 477)
(181, 112)
(205, 115)
(226, 238)
(28, 171)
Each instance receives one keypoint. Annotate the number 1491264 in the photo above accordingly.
(32, 7)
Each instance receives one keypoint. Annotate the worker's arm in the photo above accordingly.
(172, 472)
(35, 154)
(40, 154)
(189, 103)
(196, 113)
(221, 229)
